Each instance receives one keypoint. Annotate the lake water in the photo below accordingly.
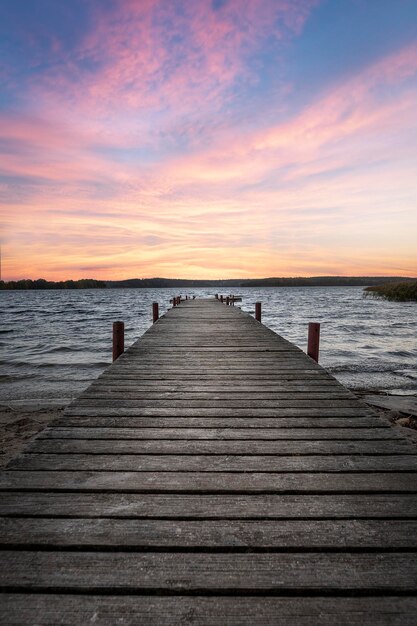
(54, 343)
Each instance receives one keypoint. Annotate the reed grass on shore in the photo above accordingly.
(400, 292)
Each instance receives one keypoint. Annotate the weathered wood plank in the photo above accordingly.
(225, 482)
(238, 397)
(350, 423)
(102, 571)
(218, 447)
(253, 434)
(202, 506)
(324, 403)
(48, 610)
(277, 534)
(181, 411)
(214, 463)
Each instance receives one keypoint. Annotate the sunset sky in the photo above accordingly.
(208, 138)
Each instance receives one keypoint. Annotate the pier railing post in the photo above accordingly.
(313, 341)
(258, 311)
(155, 311)
(118, 339)
(221, 299)
(227, 300)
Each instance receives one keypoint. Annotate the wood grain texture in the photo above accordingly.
(107, 571)
(48, 609)
(219, 447)
(195, 482)
(228, 535)
(215, 463)
(162, 430)
(204, 506)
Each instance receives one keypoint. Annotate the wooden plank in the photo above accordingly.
(287, 535)
(217, 404)
(103, 393)
(214, 463)
(48, 609)
(203, 506)
(181, 411)
(104, 571)
(252, 434)
(224, 482)
(117, 384)
(350, 423)
(219, 378)
(219, 447)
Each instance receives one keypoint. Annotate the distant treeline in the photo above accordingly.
(142, 283)
(400, 292)
(40, 283)
(320, 281)
(314, 281)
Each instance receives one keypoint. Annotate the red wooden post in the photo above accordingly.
(155, 311)
(258, 311)
(118, 339)
(313, 341)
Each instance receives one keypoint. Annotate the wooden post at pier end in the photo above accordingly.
(227, 300)
(221, 299)
(313, 341)
(155, 311)
(118, 339)
(258, 311)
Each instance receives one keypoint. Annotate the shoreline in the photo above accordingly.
(22, 420)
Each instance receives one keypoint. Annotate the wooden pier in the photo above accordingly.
(214, 474)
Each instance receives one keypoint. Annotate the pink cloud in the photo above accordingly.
(168, 57)
(328, 134)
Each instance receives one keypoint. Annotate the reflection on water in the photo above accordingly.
(53, 343)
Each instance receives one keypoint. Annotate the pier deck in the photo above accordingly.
(213, 474)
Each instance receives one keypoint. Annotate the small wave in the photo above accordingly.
(12, 377)
(63, 349)
(411, 374)
(401, 353)
(374, 368)
(75, 365)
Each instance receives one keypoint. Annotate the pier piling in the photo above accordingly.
(313, 341)
(118, 339)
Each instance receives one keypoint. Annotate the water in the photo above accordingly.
(54, 343)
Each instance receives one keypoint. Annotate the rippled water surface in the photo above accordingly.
(54, 343)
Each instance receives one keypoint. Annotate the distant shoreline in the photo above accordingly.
(170, 283)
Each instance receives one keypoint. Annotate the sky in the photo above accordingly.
(208, 138)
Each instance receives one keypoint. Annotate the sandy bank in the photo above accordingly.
(21, 424)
